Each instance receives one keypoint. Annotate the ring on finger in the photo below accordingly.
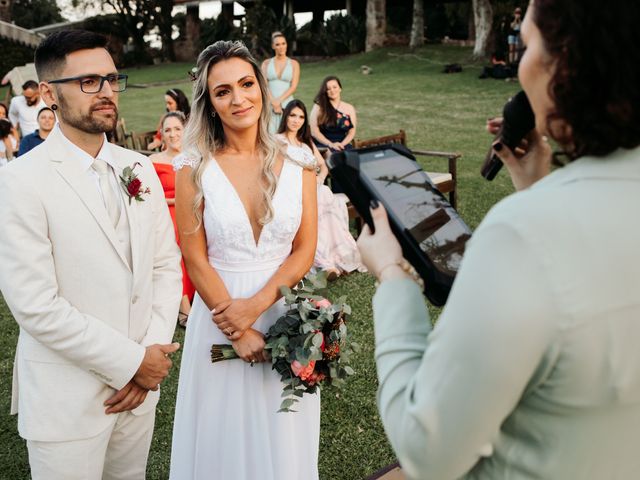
(252, 362)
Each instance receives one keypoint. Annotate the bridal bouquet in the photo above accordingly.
(308, 345)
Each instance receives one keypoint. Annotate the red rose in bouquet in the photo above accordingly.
(308, 345)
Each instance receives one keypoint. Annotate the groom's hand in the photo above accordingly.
(129, 397)
(155, 365)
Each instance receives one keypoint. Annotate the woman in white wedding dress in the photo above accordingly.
(248, 224)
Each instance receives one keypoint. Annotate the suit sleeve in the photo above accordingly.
(167, 274)
(444, 393)
(29, 285)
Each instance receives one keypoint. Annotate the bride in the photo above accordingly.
(248, 224)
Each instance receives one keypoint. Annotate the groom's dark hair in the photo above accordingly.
(50, 54)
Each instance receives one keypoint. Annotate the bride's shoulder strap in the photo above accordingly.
(186, 160)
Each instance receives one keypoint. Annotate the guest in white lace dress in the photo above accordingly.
(247, 222)
(336, 252)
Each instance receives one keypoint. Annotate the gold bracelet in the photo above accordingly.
(406, 268)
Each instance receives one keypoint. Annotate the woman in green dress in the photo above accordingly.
(282, 74)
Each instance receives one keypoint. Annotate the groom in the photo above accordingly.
(91, 273)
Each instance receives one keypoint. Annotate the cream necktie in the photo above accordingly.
(109, 197)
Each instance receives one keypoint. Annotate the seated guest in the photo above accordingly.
(46, 121)
(336, 251)
(8, 143)
(175, 101)
(333, 122)
(23, 109)
(172, 126)
(533, 368)
(498, 69)
(4, 113)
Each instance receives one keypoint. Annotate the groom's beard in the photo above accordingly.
(88, 122)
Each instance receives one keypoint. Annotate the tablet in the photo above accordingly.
(430, 231)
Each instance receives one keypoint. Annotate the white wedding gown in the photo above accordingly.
(226, 422)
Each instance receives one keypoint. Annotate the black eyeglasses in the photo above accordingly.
(94, 83)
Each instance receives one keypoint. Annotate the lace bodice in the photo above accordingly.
(230, 241)
(302, 155)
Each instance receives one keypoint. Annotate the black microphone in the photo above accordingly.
(518, 120)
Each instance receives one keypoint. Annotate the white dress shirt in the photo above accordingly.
(122, 227)
(87, 161)
(25, 115)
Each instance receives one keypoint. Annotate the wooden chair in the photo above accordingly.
(445, 182)
(142, 140)
(120, 135)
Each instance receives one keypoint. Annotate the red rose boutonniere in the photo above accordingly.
(132, 184)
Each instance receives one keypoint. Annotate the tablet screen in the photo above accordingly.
(415, 203)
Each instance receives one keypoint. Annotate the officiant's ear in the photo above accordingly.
(48, 94)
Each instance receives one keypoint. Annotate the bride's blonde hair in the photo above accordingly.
(204, 133)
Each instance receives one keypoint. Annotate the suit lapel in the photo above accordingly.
(74, 175)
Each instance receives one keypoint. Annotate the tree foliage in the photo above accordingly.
(35, 13)
(137, 18)
(214, 29)
(14, 55)
(259, 23)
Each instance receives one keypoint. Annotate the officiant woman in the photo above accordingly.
(533, 369)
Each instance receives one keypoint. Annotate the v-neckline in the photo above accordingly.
(255, 242)
(275, 67)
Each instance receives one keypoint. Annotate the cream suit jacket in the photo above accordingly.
(85, 316)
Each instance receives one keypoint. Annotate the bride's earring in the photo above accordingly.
(213, 114)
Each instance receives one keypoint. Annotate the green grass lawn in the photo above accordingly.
(405, 91)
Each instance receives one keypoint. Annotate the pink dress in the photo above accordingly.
(336, 248)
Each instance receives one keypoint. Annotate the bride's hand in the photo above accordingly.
(234, 316)
(250, 347)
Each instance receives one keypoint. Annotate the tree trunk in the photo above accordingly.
(5, 11)
(164, 22)
(417, 27)
(376, 24)
(317, 18)
(193, 29)
(483, 15)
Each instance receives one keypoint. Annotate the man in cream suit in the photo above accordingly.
(91, 275)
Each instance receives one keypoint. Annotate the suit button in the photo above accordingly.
(134, 299)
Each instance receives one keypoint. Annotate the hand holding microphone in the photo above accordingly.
(528, 160)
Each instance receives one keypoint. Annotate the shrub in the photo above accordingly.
(345, 34)
(339, 35)
(259, 23)
(214, 29)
